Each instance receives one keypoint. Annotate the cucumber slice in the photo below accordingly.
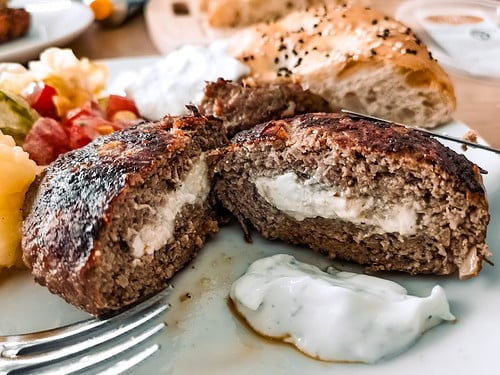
(16, 116)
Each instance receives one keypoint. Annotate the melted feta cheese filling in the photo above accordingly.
(153, 236)
(334, 315)
(308, 199)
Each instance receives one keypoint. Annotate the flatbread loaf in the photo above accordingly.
(356, 58)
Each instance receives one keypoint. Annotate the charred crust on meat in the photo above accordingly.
(391, 166)
(380, 137)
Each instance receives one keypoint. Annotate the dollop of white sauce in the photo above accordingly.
(334, 315)
(153, 236)
(179, 79)
(308, 199)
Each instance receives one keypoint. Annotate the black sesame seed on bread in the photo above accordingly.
(356, 58)
(378, 194)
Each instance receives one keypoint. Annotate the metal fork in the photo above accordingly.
(432, 134)
(40, 351)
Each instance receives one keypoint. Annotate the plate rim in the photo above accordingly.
(25, 48)
(422, 354)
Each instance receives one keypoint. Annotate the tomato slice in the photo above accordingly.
(81, 132)
(90, 108)
(46, 140)
(40, 97)
(86, 123)
(117, 103)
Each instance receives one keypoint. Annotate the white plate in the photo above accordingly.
(469, 48)
(204, 337)
(53, 24)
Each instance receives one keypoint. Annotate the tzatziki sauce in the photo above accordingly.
(179, 79)
(334, 315)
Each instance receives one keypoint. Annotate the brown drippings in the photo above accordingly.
(8, 273)
(273, 340)
(185, 297)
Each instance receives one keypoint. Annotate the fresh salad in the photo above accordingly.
(58, 103)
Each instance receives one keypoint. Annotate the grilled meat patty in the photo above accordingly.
(374, 193)
(112, 222)
(14, 23)
(241, 106)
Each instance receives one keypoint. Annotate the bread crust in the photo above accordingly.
(236, 13)
(347, 55)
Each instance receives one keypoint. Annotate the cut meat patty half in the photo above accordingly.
(242, 106)
(111, 223)
(377, 194)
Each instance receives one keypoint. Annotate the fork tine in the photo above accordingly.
(54, 355)
(127, 364)
(25, 341)
(104, 355)
(16, 354)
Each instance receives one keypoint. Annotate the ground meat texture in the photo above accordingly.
(82, 213)
(383, 164)
(241, 106)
